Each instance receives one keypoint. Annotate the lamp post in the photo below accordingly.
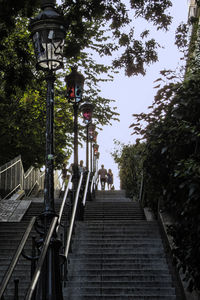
(95, 133)
(95, 154)
(75, 82)
(48, 35)
(91, 131)
(87, 110)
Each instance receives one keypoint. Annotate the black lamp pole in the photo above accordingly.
(75, 166)
(95, 151)
(48, 35)
(87, 148)
(87, 111)
(49, 157)
(91, 130)
(75, 82)
(91, 155)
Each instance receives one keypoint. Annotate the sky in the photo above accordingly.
(135, 94)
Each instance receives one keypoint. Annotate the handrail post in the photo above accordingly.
(73, 217)
(16, 293)
(15, 258)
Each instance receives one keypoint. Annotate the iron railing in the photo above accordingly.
(80, 199)
(15, 259)
(86, 189)
(74, 211)
(41, 259)
(13, 178)
(56, 222)
(33, 177)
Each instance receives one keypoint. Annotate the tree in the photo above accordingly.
(92, 26)
(130, 161)
(171, 162)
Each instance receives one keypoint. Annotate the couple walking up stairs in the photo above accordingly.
(117, 254)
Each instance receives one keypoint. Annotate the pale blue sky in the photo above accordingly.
(135, 94)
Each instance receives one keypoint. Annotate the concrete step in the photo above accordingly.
(123, 284)
(128, 272)
(10, 236)
(133, 278)
(117, 254)
(121, 297)
(136, 255)
(139, 291)
(117, 239)
(115, 265)
(123, 260)
(120, 245)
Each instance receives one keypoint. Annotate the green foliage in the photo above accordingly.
(106, 27)
(153, 10)
(130, 160)
(171, 166)
(92, 27)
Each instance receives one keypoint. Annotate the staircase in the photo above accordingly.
(10, 236)
(117, 254)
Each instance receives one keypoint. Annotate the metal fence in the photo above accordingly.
(13, 178)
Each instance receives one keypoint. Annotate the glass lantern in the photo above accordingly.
(87, 110)
(96, 148)
(91, 130)
(48, 34)
(75, 83)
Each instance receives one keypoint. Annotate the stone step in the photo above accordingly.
(143, 278)
(10, 236)
(123, 284)
(118, 247)
(118, 227)
(114, 218)
(148, 246)
(117, 266)
(129, 272)
(117, 254)
(139, 291)
(135, 255)
(123, 260)
(132, 252)
(121, 297)
(116, 235)
(123, 239)
(136, 224)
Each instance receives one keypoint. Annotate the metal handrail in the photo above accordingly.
(41, 259)
(29, 193)
(29, 172)
(86, 189)
(91, 187)
(11, 192)
(92, 183)
(11, 166)
(13, 177)
(64, 200)
(69, 236)
(16, 257)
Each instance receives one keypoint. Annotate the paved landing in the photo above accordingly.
(13, 209)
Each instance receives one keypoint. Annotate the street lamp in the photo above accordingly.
(96, 148)
(75, 82)
(95, 155)
(48, 35)
(91, 131)
(95, 136)
(87, 110)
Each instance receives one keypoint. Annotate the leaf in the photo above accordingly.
(157, 86)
